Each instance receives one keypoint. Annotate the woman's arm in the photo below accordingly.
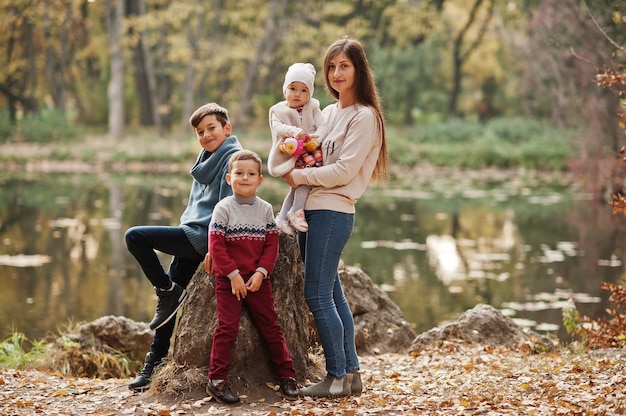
(360, 138)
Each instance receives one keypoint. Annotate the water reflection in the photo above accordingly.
(438, 243)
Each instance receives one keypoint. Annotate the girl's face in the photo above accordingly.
(211, 134)
(244, 177)
(341, 74)
(297, 94)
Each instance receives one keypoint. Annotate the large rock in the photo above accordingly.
(251, 363)
(379, 324)
(485, 325)
(117, 333)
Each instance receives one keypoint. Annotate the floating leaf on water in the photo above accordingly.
(24, 260)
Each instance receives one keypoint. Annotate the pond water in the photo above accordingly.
(439, 242)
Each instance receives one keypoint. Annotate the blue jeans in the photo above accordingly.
(141, 241)
(321, 248)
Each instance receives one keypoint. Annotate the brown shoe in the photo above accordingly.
(289, 388)
(221, 391)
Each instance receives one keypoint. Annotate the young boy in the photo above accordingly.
(243, 246)
(297, 130)
(187, 243)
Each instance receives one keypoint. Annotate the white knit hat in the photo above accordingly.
(300, 72)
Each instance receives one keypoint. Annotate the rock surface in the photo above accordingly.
(379, 324)
(197, 323)
(117, 333)
(484, 325)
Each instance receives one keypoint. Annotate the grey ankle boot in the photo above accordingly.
(356, 386)
(331, 386)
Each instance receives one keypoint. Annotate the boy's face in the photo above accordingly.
(211, 134)
(297, 94)
(244, 177)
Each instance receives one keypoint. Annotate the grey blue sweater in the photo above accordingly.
(208, 188)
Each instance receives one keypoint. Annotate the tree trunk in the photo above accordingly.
(269, 42)
(251, 364)
(114, 17)
(460, 57)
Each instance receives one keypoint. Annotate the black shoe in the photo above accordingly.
(221, 392)
(289, 388)
(142, 382)
(168, 304)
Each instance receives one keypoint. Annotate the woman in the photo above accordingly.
(355, 153)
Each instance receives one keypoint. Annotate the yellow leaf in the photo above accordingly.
(62, 393)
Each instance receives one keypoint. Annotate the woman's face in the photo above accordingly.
(341, 73)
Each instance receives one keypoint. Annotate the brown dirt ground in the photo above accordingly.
(452, 379)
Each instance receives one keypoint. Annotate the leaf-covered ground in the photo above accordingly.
(450, 380)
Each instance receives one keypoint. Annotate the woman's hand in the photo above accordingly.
(287, 178)
(207, 263)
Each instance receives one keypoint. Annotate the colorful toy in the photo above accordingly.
(307, 151)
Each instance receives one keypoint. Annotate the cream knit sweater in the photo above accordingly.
(288, 122)
(350, 149)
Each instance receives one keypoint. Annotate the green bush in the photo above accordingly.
(451, 131)
(504, 143)
(7, 129)
(517, 129)
(47, 126)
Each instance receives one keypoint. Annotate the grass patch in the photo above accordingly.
(65, 356)
(499, 143)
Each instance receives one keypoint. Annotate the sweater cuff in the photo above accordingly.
(262, 270)
(233, 274)
(298, 177)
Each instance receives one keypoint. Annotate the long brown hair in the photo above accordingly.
(365, 93)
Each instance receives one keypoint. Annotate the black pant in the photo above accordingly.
(142, 241)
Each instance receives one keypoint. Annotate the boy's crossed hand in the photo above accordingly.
(240, 289)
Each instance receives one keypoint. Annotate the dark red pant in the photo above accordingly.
(264, 316)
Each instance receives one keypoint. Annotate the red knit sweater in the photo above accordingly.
(243, 238)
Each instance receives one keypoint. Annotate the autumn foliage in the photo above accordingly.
(607, 332)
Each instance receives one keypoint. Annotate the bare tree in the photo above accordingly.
(268, 43)
(461, 52)
(114, 16)
(19, 83)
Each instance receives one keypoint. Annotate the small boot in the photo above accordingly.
(285, 227)
(297, 220)
(142, 382)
